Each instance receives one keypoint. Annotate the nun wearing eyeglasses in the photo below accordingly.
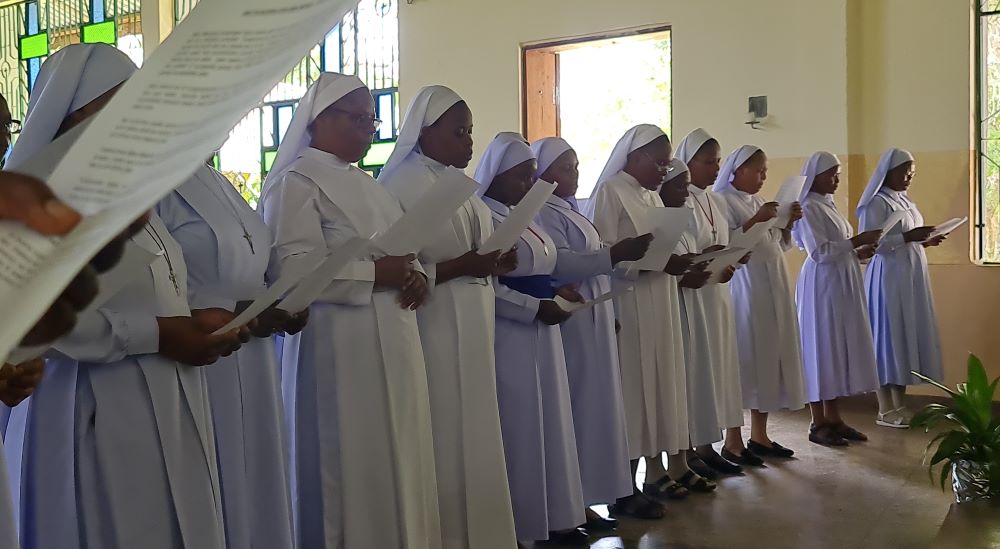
(584, 266)
(118, 449)
(767, 329)
(457, 325)
(532, 388)
(227, 248)
(354, 379)
(651, 341)
(837, 348)
(898, 287)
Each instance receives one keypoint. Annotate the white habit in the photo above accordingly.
(216, 228)
(651, 341)
(532, 388)
(117, 448)
(767, 328)
(457, 326)
(898, 285)
(354, 380)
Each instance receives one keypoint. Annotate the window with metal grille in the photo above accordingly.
(32, 30)
(365, 43)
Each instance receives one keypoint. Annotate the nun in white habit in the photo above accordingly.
(837, 348)
(532, 387)
(584, 265)
(767, 329)
(354, 379)
(226, 248)
(898, 286)
(457, 325)
(651, 341)
(141, 472)
(701, 154)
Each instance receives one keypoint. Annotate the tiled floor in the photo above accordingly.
(870, 495)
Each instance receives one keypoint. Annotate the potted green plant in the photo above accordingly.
(969, 447)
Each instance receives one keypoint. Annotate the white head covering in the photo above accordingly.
(891, 158)
(547, 151)
(430, 103)
(505, 152)
(818, 163)
(636, 138)
(68, 80)
(678, 167)
(512, 135)
(692, 142)
(733, 162)
(327, 90)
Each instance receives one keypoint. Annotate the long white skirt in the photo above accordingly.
(651, 355)
(595, 387)
(457, 327)
(118, 456)
(250, 437)
(537, 420)
(700, 369)
(726, 358)
(362, 457)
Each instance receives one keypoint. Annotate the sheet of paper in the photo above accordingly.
(432, 211)
(311, 287)
(718, 265)
(158, 128)
(751, 238)
(893, 220)
(948, 227)
(272, 294)
(573, 306)
(667, 226)
(709, 256)
(135, 259)
(788, 194)
(507, 234)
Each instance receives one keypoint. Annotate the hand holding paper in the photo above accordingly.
(507, 234)
(667, 226)
(573, 306)
(948, 227)
(788, 195)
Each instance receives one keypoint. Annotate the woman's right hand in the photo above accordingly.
(919, 234)
(393, 271)
(550, 313)
(866, 238)
(479, 265)
(189, 340)
(766, 212)
(631, 249)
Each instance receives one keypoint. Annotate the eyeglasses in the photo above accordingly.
(12, 127)
(360, 121)
(663, 166)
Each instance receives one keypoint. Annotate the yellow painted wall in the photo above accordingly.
(849, 76)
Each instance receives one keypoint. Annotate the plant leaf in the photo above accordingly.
(949, 447)
(933, 382)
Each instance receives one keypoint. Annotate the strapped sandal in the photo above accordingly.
(665, 488)
(637, 506)
(824, 435)
(850, 433)
(694, 483)
(895, 419)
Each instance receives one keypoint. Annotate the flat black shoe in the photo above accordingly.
(576, 537)
(695, 483)
(637, 506)
(774, 450)
(826, 436)
(600, 524)
(721, 464)
(700, 466)
(746, 458)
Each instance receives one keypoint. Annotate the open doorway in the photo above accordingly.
(590, 90)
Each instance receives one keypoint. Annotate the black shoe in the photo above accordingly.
(826, 436)
(577, 537)
(774, 450)
(695, 483)
(746, 458)
(721, 464)
(600, 524)
(700, 466)
(637, 506)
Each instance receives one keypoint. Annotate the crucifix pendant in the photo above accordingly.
(249, 240)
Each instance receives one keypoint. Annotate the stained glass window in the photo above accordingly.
(365, 43)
